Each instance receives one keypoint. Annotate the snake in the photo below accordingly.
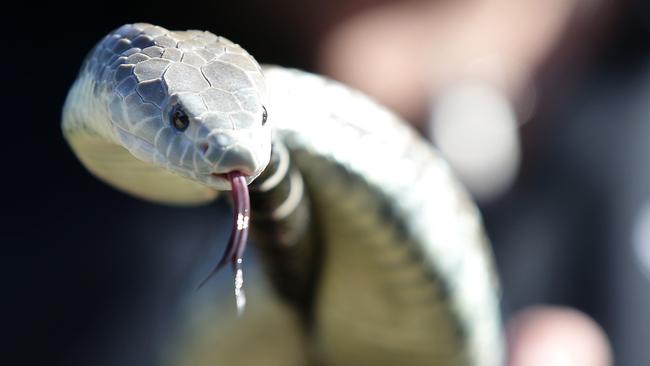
(370, 244)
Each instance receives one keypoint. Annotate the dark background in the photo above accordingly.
(89, 275)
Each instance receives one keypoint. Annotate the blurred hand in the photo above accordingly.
(463, 67)
(556, 336)
(406, 52)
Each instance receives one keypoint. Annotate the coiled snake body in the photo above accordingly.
(368, 239)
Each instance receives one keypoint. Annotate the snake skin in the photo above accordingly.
(138, 73)
(407, 277)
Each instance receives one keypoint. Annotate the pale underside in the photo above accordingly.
(116, 166)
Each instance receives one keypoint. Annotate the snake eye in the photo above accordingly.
(264, 115)
(180, 120)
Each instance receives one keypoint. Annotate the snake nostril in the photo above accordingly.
(203, 147)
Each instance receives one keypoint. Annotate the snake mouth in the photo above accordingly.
(222, 176)
(222, 182)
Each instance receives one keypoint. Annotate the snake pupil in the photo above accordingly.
(180, 120)
(264, 115)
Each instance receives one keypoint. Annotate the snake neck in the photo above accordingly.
(284, 229)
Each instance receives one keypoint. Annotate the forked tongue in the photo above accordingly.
(238, 236)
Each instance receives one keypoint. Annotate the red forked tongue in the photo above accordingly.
(238, 236)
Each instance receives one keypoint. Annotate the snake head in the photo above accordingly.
(190, 102)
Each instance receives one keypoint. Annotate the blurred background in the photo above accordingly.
(542, 108)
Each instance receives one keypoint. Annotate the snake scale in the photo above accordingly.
(374, 253)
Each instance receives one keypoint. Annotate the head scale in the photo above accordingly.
(190, 102)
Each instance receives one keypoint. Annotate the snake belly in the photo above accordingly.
(405, 272)
(407, 275)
